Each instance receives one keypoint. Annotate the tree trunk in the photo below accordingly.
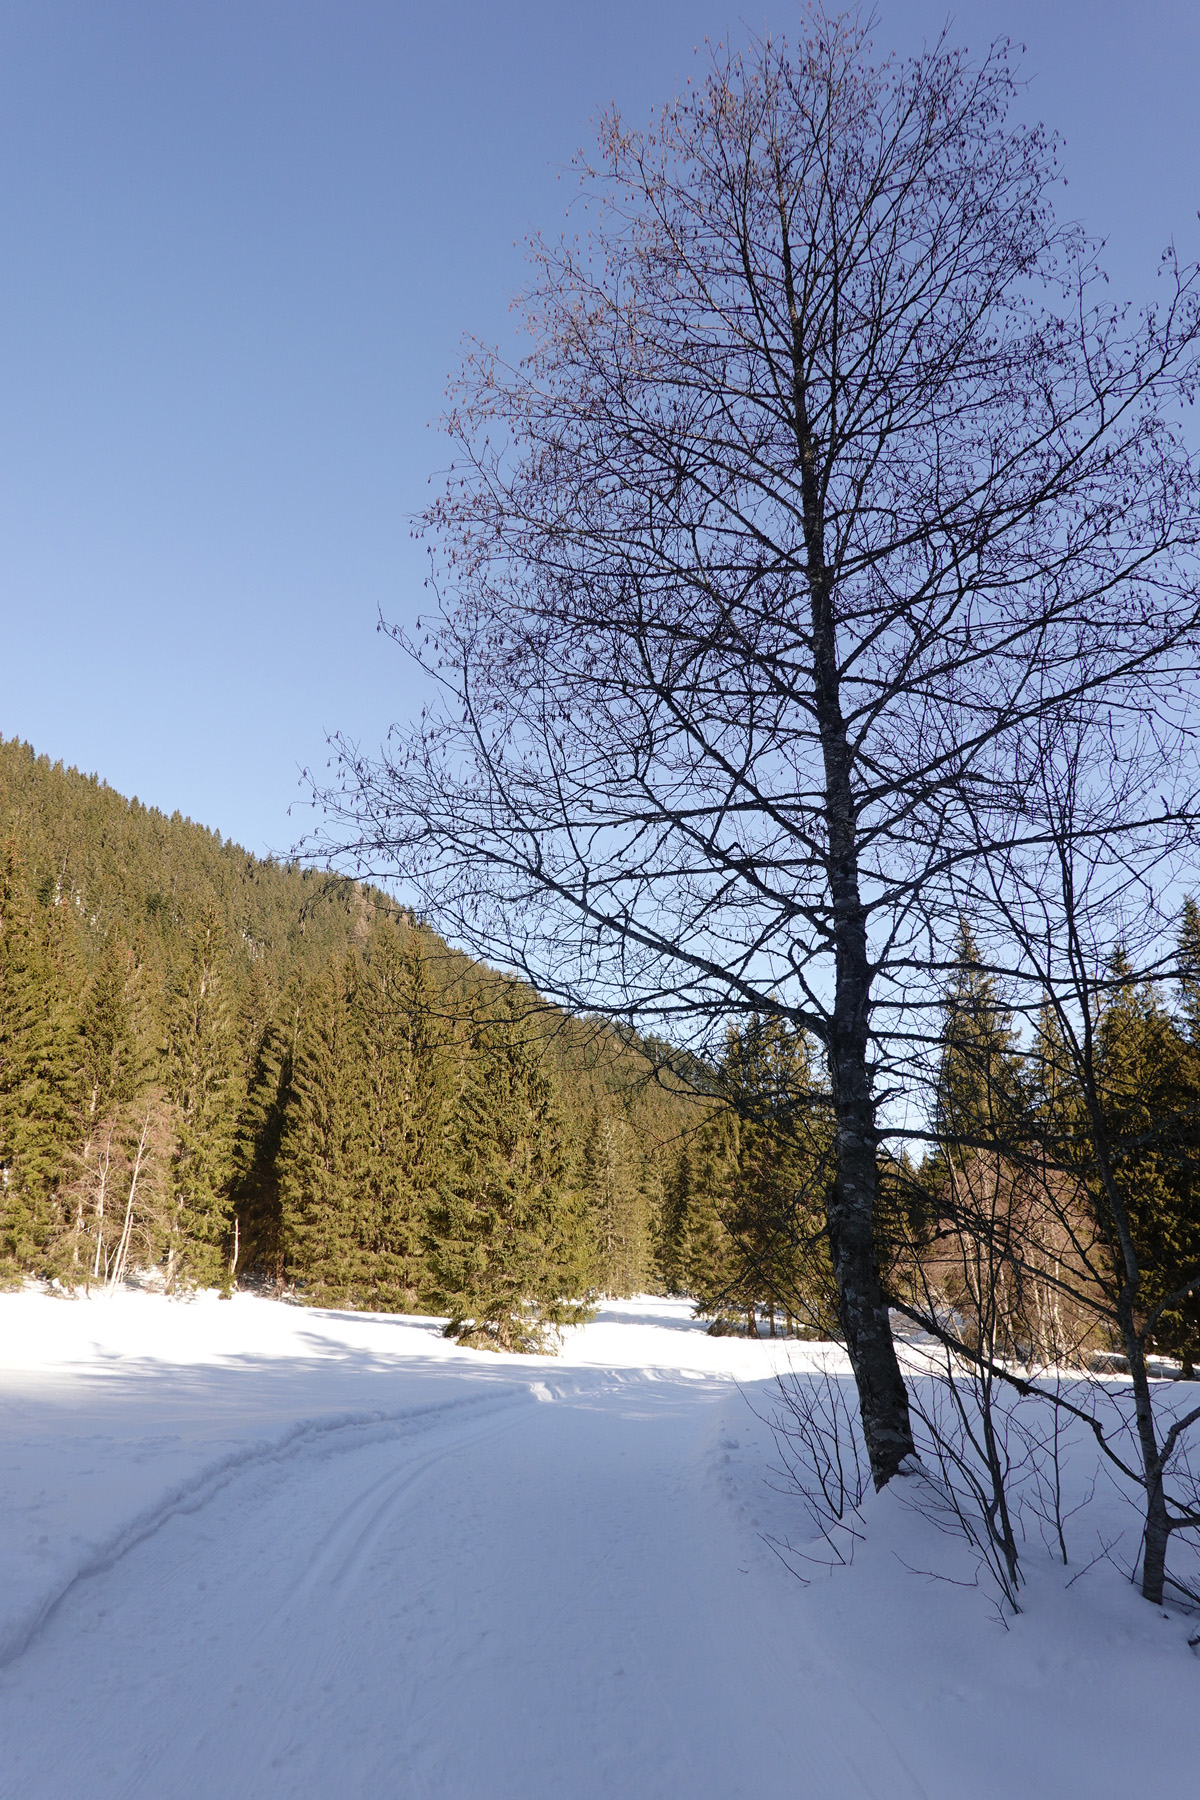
(862, 1309)
(1154, 1559)
(883, 1400)
(118, 1267)
(100, 1195)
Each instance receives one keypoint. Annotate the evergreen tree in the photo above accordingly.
(202, 1087)
(780, 1166)
(318, 1149)
(116, 1052)
(613, 1201)
(504, 1243)
(255, 1198)
(218, 1065)
(39, 1080)
(405, 1086)
(713, 1265)
(979, 1090)
(989, 1226)
(1189, 969)
(1149, 1080)
(675, 1236)
(112, 1053)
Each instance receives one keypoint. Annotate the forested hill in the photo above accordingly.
(213, 1065)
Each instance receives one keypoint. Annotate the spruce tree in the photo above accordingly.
(613, 1202)
(1189, 969)
(40, 1090)
(255, 1197)
(1149, 1079)
(116, 1052)
(405, 1082)
(986, 1222)
(675, 1234)
(502, 1242)
(202, 1087)
(780, 1167)
(978, 1093)
(169, 1029)
(318, 1150)
(713, 1265)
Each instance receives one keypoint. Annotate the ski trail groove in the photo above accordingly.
(346, 1546)
(198, 1489)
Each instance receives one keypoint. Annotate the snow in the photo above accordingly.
(250, 1549)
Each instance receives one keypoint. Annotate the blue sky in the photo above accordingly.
(241, 240)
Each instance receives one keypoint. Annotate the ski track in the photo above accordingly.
(345, 1547)
(460, 1607)
(551, 1579)
(196, 1489)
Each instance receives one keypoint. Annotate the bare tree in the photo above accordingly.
(101, 1194)
(828, 474)
(121, 1259)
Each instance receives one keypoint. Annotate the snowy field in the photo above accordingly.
(254, 1550)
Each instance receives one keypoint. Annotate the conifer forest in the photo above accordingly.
(218, 1069)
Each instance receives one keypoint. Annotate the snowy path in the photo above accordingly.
(461, 1609)
(510, 1579)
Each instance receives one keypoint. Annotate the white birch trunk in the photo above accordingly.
(126, 1229)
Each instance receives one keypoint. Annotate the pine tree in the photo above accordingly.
(116, 1052)
(978, 1091)
(1149, 1079)
(713, 1265)
(202, 1087)
(255, 1197)
(405, 1083)
(180, 1086)
(613, 1202)
(503, 1240)
(39, 1082)
(318, 1149)
(1189, 969)
(779, 1168)
(112, 1060)
(996, 1225)
(675, 1236)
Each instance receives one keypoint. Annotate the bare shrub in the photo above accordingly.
(823, 1460)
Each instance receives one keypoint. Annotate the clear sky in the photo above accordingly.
(239, 243)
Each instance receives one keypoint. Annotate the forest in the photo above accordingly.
(217, 1068)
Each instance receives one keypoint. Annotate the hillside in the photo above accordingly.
(218, 1066)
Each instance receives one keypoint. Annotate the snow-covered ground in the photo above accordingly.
(254, 1550)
